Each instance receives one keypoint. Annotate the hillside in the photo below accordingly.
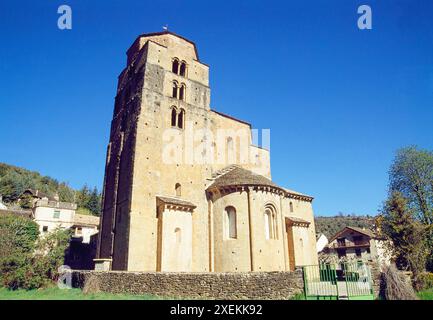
(14, 180)
(331, 225)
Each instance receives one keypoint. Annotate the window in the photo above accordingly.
(175, 66)
(270, 223)
(45, 229)
(368, 250)
(341, 242)
(178, 189)
(358, 252)
(341, 253)
(230, 223)
(175, 87)
(183, 69)
(177, 234)
(180, 119)
(56, 214)
(182, 90)
(173, 116)
(291, 206)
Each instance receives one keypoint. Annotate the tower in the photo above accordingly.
(163, 86)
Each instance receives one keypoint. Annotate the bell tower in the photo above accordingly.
(164, 87)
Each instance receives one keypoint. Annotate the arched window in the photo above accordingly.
(175, 87)
(183, 69)
(182, 90)
(173, 116)
(291, 206)
(181, 119)
(230, 228)
(175, 66)
(270, 217)
(178, 235)
(178, 189)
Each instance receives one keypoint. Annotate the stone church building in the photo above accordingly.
(185, 189)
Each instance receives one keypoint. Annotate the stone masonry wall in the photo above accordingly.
(234, 285)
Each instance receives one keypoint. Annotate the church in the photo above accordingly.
(185, 188)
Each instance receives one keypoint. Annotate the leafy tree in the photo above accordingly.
(406, 234)
(26, 261)
(411, 174)
(94, 202)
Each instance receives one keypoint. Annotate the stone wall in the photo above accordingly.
(234, 285)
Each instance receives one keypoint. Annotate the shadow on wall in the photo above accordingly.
(80, 255)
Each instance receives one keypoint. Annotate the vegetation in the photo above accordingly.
(396, 288)
(407, 219)
(426, 294)
(407, 235)
(14, 181)
(55, 293)
(27, 261)
(331, 225)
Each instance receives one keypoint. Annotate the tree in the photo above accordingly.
(94, 202)
(411, 174)
(405, 233)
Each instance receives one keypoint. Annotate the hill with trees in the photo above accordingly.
(14, 180)
(331, 225)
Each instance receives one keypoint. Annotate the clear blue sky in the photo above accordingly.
(338, 101)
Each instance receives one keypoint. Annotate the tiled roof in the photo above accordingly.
(176, 201)
(87, 220)
(241, 176)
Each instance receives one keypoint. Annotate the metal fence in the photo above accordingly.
(346, 281)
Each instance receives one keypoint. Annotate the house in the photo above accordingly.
(185, 188)
(321, 242)
(2, 205)
(52, 215)
(29, 197)
(352, 243)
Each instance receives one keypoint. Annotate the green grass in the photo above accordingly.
(55, 293)
(426, 294)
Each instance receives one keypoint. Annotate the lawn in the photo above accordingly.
(67, 294)
(426, 295)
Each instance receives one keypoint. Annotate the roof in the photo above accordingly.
(366, 232)
(86, 220)
(152, 34)
(298, 221)
(235, 175)
(240, 176)
(176, 201)
(231, 117)
(39, 194)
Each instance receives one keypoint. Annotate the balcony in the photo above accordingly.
(349, 244)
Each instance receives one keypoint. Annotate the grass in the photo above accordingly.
(426, 294)
(55, 293)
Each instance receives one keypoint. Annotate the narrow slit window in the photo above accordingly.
(180, 119)
(175, 66)
(183, 69)
(175, 89)
(173, 117)
(230, 223)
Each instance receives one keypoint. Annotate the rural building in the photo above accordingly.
(185, 189)
(352, 243)
(321, 242)
(51, 215)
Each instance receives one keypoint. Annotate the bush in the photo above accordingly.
(424, 281)
(25, 261)
(395, 287)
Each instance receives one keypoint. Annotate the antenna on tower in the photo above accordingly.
(165, 27)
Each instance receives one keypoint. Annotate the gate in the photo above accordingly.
(346, 281)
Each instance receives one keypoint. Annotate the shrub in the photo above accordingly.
(25, 262)
(424, 281)
(395, 287)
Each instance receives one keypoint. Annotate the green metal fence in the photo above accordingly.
(347, 281)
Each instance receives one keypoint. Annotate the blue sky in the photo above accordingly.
(338, 101)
